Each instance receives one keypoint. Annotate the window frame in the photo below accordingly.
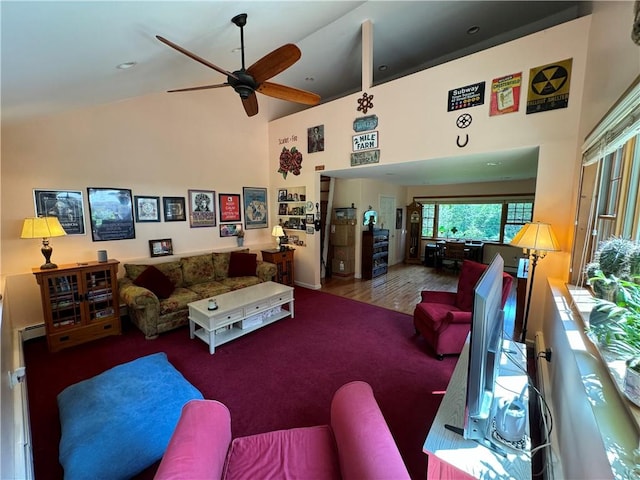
(503, 200)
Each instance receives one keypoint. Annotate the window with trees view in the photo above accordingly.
(497, 220)
(609, 197)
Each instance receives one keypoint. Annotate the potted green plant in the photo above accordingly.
(616, 258)
(620, 332)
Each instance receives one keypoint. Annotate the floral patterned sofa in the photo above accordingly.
(157, 295)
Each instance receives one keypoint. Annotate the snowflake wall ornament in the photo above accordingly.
(365, 103)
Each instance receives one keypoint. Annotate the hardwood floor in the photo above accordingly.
(400, 289)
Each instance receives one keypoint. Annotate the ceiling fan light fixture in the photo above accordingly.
(244, 91)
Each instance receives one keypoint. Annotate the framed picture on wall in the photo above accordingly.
(111, 214)
(230, 229)
(202, 208)
(256, 213)
(67, 205)
(398, 218)
(174, 210)
(161, 247)
(147, 208)
(229, 207)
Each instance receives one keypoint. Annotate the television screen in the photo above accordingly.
(485, 346)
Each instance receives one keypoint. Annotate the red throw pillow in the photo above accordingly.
(242, 264)
(156, 281)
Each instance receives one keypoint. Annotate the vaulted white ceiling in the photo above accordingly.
(58, 56)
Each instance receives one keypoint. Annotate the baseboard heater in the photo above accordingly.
(552, 467)
(33, 331)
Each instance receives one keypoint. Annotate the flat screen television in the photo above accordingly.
(485, 348)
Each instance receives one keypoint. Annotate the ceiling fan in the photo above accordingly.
(247, 81)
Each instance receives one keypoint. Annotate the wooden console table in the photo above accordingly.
(453, 457)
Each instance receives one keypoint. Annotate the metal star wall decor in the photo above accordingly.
(365, 103)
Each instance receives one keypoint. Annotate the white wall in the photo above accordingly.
(414, 125)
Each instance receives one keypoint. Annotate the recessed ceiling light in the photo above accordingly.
(126, 65)
(473, 30)
(493, 164)
(382, 68)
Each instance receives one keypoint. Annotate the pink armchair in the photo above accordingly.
(444, 318)
(356, 445)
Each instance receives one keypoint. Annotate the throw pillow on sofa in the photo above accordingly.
(156, 281)
(242, 264)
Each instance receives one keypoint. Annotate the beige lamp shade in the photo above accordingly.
(42, 227)
(537, 237)
(277, 231)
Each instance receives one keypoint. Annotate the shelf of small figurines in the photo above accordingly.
(293, 238)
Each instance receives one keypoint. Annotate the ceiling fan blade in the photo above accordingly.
(250, 104)
(196, 57)
(203, 87)
(274, 63)
(288, 93)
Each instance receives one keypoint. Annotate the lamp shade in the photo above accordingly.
(42, 227)
(277, 231)
(536, 236)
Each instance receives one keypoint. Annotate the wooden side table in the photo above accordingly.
(283, 262)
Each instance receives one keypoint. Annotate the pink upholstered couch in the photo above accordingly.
(357, 445)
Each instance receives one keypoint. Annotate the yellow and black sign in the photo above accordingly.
(549, 86)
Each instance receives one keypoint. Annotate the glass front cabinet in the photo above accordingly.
(80, 302)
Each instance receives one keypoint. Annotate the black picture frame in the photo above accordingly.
(202, 208)
(230, 207)
(147, 208)
(160, 247)
(174, 209)
(111, 214)
(66, 205)
(282, 195)
(230, 229)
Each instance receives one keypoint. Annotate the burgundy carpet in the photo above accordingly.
(280, 376)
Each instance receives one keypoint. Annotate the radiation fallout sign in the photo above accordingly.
(549, 87)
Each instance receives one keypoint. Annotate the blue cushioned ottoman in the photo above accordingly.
(118, 423)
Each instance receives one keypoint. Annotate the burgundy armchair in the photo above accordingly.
(444, 318)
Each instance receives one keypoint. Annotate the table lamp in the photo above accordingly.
(45, 228)
(278, 232)
(535, 239)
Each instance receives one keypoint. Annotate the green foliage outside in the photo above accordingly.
(480, 221)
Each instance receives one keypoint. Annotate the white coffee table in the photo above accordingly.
(239, 312)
